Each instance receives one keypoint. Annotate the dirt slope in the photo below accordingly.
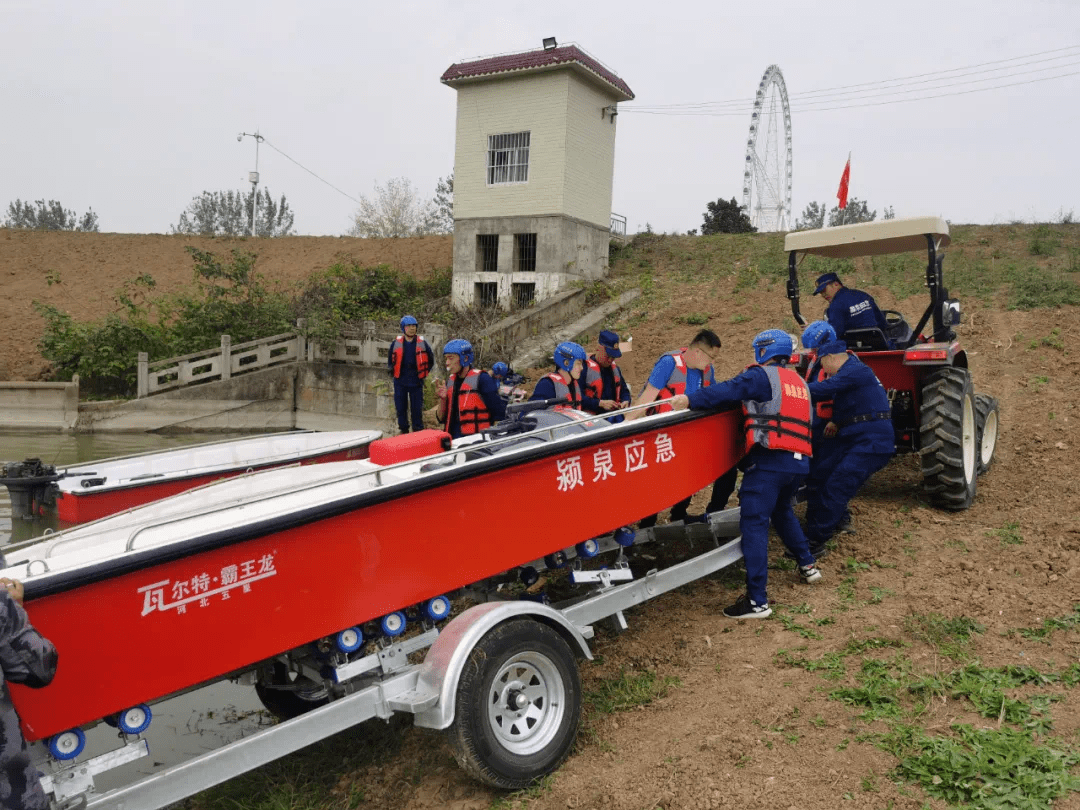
(91, 268)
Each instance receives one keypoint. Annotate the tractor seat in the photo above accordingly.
(867, 340)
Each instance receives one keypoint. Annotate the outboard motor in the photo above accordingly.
(28, 485)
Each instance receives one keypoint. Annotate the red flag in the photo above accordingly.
(841, 194)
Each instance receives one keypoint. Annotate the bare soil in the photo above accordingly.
(739, 728)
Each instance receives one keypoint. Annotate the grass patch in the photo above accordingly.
(1043, 632)
(629, 690)
(1007, 535)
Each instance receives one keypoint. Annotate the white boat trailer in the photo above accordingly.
(535, 711)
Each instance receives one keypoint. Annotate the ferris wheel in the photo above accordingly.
(767, 174)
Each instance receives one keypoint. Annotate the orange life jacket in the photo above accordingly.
(823, 407)
(592, 383)
(571, 392)
(473, 415)
(783, 422)
(676, 383)
(397, 351)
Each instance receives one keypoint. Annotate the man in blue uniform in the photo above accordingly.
(409, 360)
(861, 425)
(471, 402)
(565, 381)
(848, 308)
(776, 404)
(603, 386)
(28, 658)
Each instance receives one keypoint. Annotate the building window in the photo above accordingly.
(487, 294)
(487, 253)
(524, 295)
(508, 158)
(525, 247)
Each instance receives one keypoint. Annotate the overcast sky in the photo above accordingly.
(132, 107)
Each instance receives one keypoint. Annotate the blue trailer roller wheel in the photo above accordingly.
(393, 624)
(556, 559)
(350, 640)
(67, 744)
(438, 608)
(135, 720)
(588, 548)
(624, 537)
(529, 576)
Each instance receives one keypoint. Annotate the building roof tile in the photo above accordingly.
(530, 60)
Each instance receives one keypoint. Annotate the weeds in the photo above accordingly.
(629, 690)
(1007, 535)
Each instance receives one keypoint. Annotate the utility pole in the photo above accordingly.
(253, 177)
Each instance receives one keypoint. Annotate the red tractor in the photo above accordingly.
(935, 410)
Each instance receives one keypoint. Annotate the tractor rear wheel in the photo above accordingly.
(986, 422)
(949, 438)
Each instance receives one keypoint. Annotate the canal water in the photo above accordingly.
(184, 726)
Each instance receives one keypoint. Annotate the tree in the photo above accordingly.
(228, 213)
(48, 216)
(813, 216)
(395, 211)
(442, 218)
(726, 217)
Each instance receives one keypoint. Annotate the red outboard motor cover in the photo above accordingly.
(408, 446)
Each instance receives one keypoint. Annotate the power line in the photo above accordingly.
(939, 77)
(742, 113)
(309, 171)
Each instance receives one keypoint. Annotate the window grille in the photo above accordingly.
(524, 295)
(526, 252)
(487, 253)
(487, 294)
(508, 158)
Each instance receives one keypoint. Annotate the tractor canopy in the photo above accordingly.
(875, 239)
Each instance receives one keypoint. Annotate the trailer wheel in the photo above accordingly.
(948, 438)
(986, 421)
(286, 694)
(518, 705)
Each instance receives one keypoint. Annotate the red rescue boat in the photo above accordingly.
(212, 582)
(86, 492)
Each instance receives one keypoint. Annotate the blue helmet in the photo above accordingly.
(500, 370)
(772, 343)
(566, 353)
(462, 348)
(817, 333)
(408, 320)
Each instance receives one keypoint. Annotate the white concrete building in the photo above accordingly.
(533, 167)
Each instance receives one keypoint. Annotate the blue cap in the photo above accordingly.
(824, 281)
(610, 341)
(833, 347)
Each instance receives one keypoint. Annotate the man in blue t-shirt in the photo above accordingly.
(685, 371)
(848, 308)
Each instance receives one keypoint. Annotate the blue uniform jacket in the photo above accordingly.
(664, 368)
(752, 384)
(855, 391)
(853, 309)
(409, 378)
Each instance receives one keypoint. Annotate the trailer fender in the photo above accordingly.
(445, 660)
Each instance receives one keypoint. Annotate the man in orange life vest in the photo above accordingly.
(603, 387)
(564, 382)
(409, 360)
(472, 403)
(682, 372)
(776, 404)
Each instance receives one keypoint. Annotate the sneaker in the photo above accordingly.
(809, 573)
(747, 608)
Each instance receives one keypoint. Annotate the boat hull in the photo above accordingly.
(138, 635)
(82, 506)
